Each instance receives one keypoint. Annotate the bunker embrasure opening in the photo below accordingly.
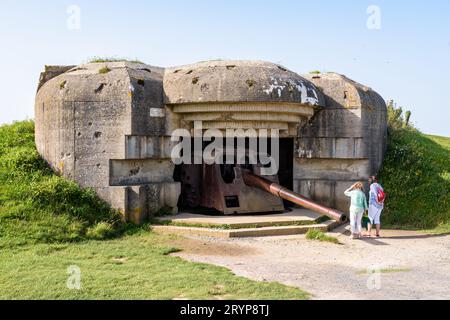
(220, 188)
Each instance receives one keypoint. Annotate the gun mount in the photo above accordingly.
(240, 190)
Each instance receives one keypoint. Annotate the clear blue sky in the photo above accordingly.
(408, 59)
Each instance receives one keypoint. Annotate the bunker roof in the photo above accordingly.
(204, 82)
(238, 81)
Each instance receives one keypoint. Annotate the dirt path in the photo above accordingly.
(413, 266)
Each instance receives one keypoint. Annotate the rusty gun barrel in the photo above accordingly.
(258, 182)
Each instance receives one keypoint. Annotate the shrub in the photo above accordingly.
(396, 118)
(101, 231)
(104, 70)
(415, 175)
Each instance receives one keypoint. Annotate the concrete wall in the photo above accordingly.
(84, 121)
(343, 143)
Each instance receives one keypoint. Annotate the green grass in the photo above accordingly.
(132, 267)
(104, 70)
(36, 206)
(48, 224)
(111, 59)
(386, 270)
(317, 235)
(62, 85)
(416, 177)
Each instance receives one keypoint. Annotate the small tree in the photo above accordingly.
(407, 118)
(396, 119)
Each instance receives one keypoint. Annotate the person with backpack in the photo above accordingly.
(376, 205)
(357, 208)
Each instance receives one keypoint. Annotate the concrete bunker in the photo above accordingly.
(116, 126)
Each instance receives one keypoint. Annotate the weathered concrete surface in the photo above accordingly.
(299, 216)
(285, 117)
(107, 126)
(240, 95)
(83, 120)
(50, 72)
(238, 81)
(343, 143)
(245, 232)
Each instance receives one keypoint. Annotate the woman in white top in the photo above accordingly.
(376, 206)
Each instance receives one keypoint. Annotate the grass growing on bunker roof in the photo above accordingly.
(110, 59)
(62, 85)
(104, 70)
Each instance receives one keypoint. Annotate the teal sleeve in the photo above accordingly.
(348, 193)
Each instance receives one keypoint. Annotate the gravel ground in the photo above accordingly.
(411, 265)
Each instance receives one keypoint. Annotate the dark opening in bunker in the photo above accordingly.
(216, 189)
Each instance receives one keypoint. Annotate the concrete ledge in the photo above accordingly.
(246, 233)
(296, 217)
(208, 232)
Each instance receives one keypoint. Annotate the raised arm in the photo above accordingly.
(348, 192)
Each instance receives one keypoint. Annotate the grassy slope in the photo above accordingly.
(38, 206)
(416, 176)
(48, 224)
